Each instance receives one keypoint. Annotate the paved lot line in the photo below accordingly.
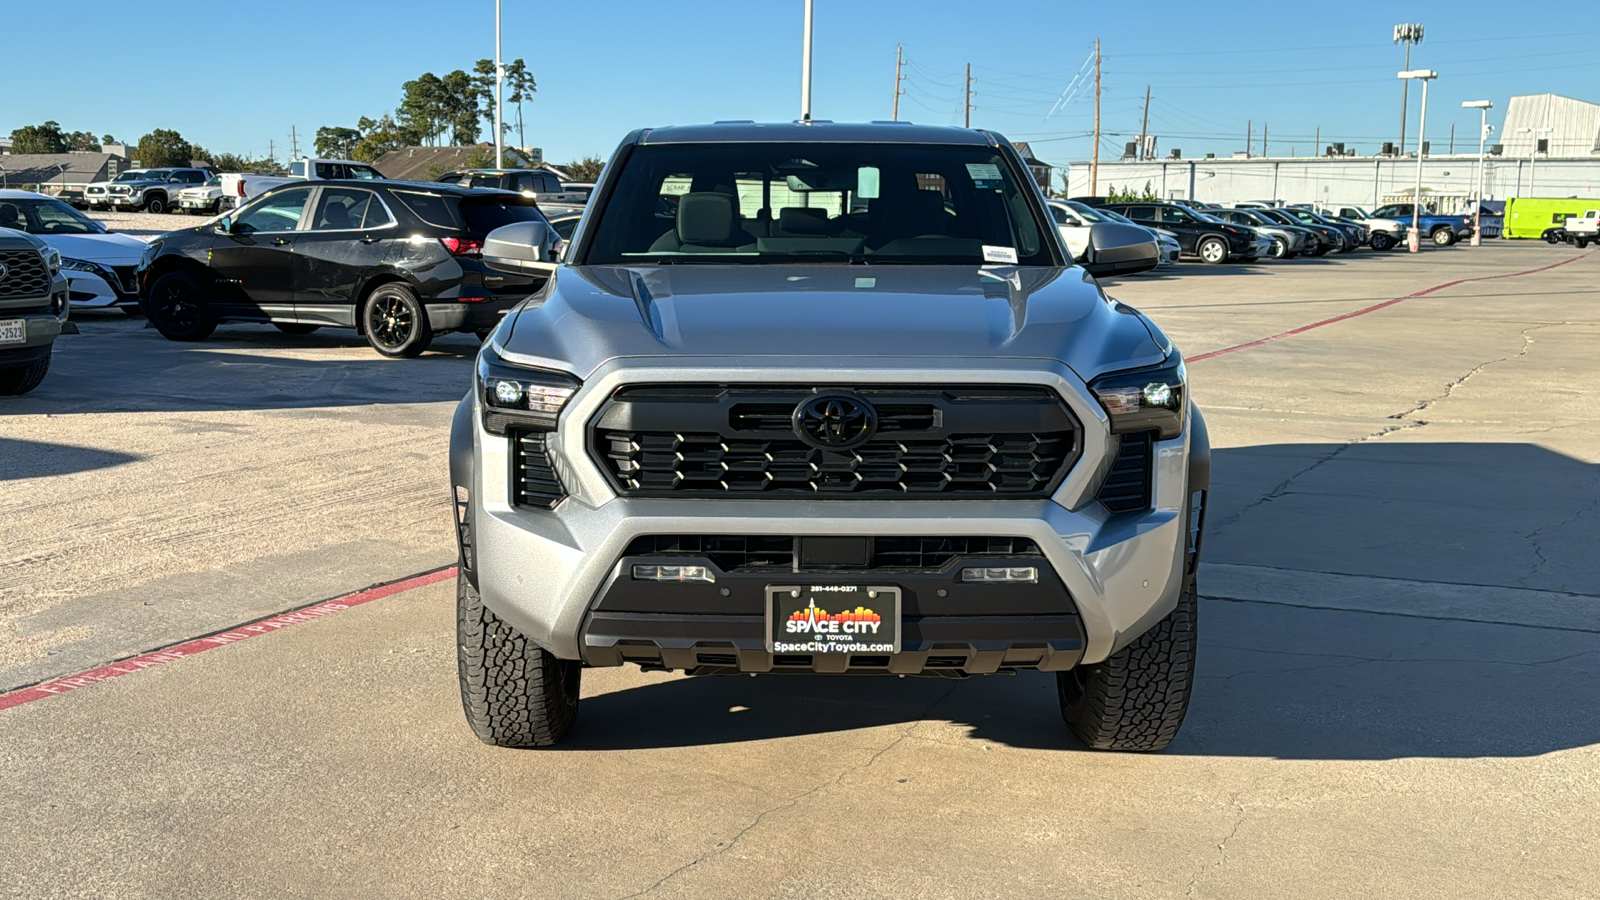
(233, 635)
(1377, 306)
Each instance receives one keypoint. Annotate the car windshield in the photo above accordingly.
(156, 175)
(1113, 215)
(214, 181)
(1090, 214)
(131, 176)
(46, 216)
(1207, 217)
(819, 202)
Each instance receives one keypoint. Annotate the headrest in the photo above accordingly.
(802, 220)
(706, 217)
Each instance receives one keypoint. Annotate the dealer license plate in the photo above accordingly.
(833, 618)
(13, 331)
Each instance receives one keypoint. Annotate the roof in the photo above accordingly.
(35, 168)
(14, 194)
(1026, 152)
(816, 131)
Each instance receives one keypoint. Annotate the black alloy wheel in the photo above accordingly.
(178, 308)
(1315, 247)
(396, 324)
(1381, 240)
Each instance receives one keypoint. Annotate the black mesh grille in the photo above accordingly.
(1127, 485)
(128, 278)
(930, 442)
(26, 274)
(534, 481)
(745, 553)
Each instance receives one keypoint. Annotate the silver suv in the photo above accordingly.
(826, 399)
(33, 309)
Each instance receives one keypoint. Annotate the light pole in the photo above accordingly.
(805, 69)
(499, 78)
(1414, 240)
(1408, 35)
(1533, 152)
(1483, 107)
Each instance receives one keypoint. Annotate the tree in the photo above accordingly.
(46, 138)
(163, 147)
(233, 162)
(423, 108)
(586, 169)
(518, 87)
(379, 136)
(108, 139)
(337, 141)
(83, 140)
(462, 99)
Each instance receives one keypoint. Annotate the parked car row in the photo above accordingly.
(152, 190)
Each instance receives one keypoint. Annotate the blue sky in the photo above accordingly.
(232, 76)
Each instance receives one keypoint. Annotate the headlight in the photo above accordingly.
(521, 397)
(52, 258)
(79, 265)
(148, 254)
(1145, 399)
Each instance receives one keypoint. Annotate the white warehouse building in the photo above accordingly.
(1568, 166)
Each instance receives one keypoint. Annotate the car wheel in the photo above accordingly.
(179, 309)
(155, 205)
(1135, 700)
(396, 324)
(295, 327)
(1315, 249)
(1443, 236)
(1381, 240)
(1280, 249)
(1213, 250)
(1581, 242)
(514, 693)
(22, 379)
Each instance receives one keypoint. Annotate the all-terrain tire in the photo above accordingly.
(1136, 700)
(515, 694)
(22, 379)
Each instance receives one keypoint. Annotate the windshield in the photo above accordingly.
(818, 202)
(46, 216)
(130, 176)
(1089, 213)
(1114, 216)
(214, 181)
(156, 175)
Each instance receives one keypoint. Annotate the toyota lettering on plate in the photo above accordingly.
(833, 618)
(13, 331)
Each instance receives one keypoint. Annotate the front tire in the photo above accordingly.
(155, 204)
(1280, 249)
(179, 309)
(1381, 240)
(1443, 237)
(1316, 249)
(1212, 250)
(514, 693)
(1136, 700)
(24, 378)
(396, 324)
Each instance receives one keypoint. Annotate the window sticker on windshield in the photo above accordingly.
(867, 182)
(985, 176)
(999, 254)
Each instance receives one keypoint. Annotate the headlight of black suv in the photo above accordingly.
(521, 396)
(1145, 399)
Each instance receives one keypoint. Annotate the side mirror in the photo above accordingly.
(1118, 249)
(225, 225)
(520, 247)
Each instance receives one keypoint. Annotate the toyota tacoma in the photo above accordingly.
(825, 398)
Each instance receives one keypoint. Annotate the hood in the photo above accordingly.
(111, 249)
(822, 313)
(11, 239)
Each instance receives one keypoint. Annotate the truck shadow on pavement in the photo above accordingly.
(41, 459)
(1277, 678)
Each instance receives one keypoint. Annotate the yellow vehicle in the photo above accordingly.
(1537, 217)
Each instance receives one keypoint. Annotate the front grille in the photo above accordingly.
(688, 441)
(94, 190)
(778, 553)
(26, 274)
(1127, 485)
(128, 276)
(533, 478)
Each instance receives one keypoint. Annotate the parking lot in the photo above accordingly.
(1399, 646)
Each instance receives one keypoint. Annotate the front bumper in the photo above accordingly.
(41, 325)
(545, 571)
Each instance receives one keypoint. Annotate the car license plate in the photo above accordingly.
(13, 331)
(833, 618)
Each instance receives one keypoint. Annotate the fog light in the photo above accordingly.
(673, 573)
(1020, 575)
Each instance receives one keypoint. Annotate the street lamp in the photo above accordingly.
(1533, 152)
(1408, 35)
(1483, 107)
(1414, 240)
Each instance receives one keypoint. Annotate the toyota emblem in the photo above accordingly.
(835, 421)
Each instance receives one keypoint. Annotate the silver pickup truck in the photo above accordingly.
(825, 398)
(33, 309)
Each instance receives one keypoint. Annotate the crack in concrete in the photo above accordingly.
(1533, 539)
(1222, 847)
(1527, 342)
(724, 846)
(1282, 488)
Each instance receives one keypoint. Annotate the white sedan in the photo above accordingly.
(99, 265)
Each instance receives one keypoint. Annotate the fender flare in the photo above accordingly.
(462, 429)
(1199, 490)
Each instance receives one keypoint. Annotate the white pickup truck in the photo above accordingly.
(238, 188)
(1583, 230)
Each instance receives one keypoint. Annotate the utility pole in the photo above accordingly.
(805, 69)
(1452, 138)
(1316, 143)
(1094, 162)
(499, 90)
(294, 143)
(1408, 35)
(1249, 136)
(1264, 140)
(272, 150)
(899, 58)
(1144, 126)
(969, 96)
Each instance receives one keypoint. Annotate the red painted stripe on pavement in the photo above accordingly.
(245, 632)
(1375, 307)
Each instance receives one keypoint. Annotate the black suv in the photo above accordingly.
(1199, 235)
(397, 261)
